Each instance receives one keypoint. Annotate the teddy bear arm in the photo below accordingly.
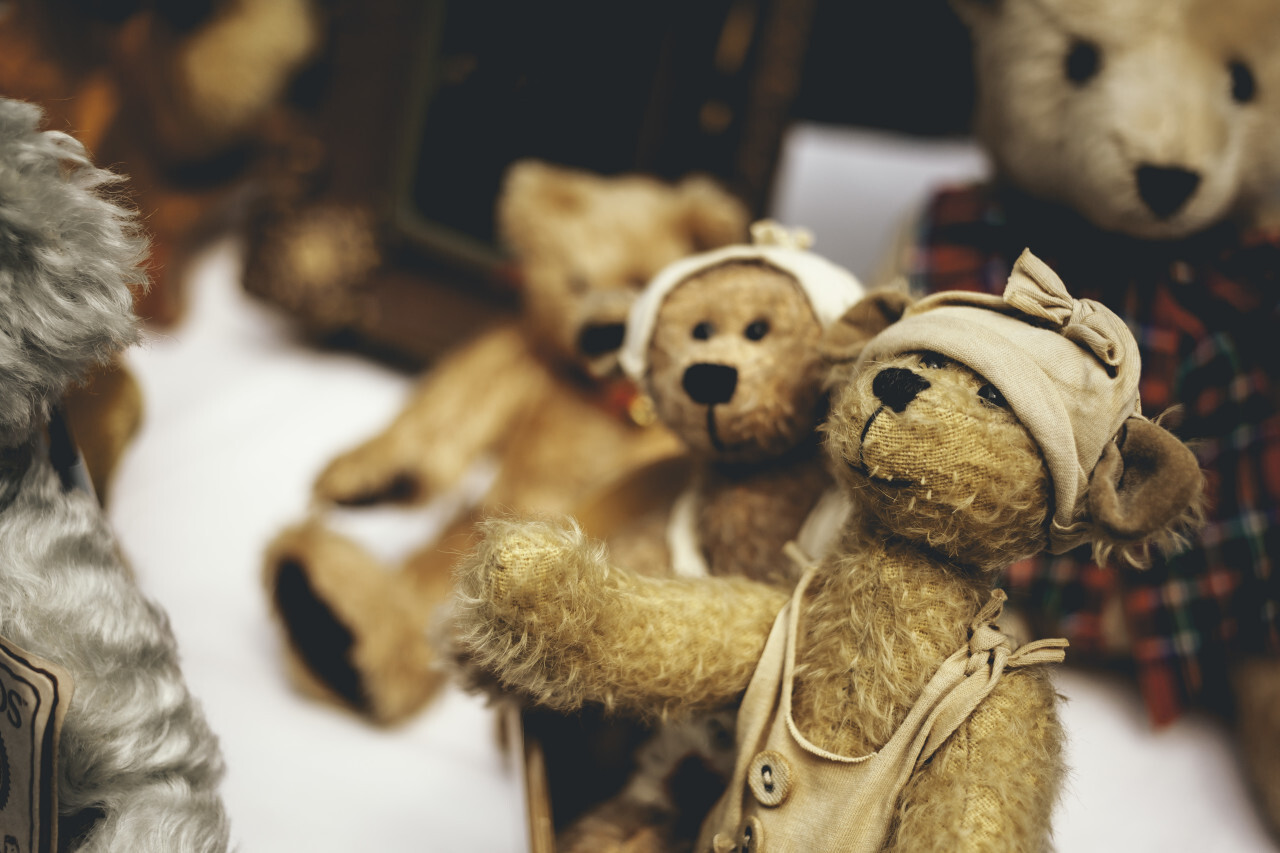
(540, 610)
(992, 785)
(462, 408)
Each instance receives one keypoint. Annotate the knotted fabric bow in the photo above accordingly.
(1037, 291)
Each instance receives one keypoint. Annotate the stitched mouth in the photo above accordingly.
(860, 465)
(711, 430)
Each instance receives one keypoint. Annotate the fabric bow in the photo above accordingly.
(1036, 290)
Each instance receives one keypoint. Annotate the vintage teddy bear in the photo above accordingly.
(725, 344)
(882, 707)
(538, 394)
(137, 767)
(1134, 149)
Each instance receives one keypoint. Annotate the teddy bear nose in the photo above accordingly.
(600, 338)
(710, 383)
(897, 386)
(1164, 189)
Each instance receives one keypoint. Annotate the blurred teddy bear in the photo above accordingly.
(540, 394)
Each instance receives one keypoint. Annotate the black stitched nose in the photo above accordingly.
(601, 338)
(710, 383)
(897, 386)
(1164, 189)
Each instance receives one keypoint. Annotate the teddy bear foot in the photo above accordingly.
(1257, 691)
(355, 630)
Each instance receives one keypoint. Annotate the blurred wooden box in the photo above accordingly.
(375, 220)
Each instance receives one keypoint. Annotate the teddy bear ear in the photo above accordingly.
(531, 192)
(713, 217)
(871, 315)
(974, 12)
(1147, 489)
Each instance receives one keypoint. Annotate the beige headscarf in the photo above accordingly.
(1068, 367)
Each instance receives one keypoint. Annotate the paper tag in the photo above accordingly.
(34, 695)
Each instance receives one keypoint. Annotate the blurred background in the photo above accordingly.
(320, 179)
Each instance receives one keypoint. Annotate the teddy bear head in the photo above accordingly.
(68, 256)
(989, 428)
(588, 244)
(725, 343)
(1154, 120)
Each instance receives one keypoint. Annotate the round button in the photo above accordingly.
(770, 778)
(751, 839)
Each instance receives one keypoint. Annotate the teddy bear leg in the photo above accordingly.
(1256, 682)
(355, 628)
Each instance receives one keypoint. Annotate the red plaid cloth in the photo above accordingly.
(1206, 316)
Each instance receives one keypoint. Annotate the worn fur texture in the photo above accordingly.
(525, 393)
(549, 617)
(138, 766)
(758, 476)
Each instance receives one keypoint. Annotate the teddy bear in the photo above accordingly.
(879, 706)
(1134, 150)
(539, 395)
(109, 749)
(725, 344)
(178, 94)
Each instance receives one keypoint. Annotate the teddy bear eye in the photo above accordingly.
(932, 359)
(703, 330)
(1083, 61)
(990, 395)
(1243, 85)
(757, 330)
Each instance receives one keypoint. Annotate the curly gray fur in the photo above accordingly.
(68, 255)
(135, 750)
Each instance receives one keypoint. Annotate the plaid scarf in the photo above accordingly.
(1206, 314)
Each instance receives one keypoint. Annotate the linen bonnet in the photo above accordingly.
(830, 288)
(1068, 368)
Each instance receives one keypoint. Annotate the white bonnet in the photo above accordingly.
(831, 289)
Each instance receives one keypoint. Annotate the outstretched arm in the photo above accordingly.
(540, 610)
(463, 407)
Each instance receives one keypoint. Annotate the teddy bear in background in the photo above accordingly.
(725, 344)
(1134, 149)
(137, 767)
(541, 395)
(882, 707)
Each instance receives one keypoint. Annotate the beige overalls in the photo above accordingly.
(789, 795)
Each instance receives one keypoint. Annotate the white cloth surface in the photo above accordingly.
(241, 416)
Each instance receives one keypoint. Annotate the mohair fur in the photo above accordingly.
(758, 476)
(138, 766)
(545, 613)
(525, 393)
(1162, 95)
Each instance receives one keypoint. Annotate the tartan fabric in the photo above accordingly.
(1206, 315)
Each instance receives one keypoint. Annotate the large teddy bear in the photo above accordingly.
(1134, 147)
(726, 345)
(879, 706)
(135, 767)
(540, 395)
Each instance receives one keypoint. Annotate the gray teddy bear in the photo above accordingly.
(137, 767)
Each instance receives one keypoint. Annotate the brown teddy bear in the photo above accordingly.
(725, 344)
(1135, 151)
(539, 395)
(880, 707)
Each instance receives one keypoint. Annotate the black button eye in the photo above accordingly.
(757, 330)
(989, 394)
(932, 359)
(703, 330)
(1243, 85)
(1083, 62)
